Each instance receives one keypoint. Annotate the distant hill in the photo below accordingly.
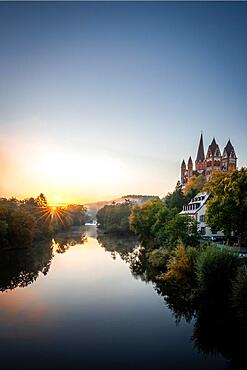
(92, 208)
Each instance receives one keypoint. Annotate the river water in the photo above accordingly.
(79, 307)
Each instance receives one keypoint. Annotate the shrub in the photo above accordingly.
(216, 268)
(158, 258)
(181, 265)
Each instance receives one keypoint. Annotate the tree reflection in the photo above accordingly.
(118, 245)
(19, 268)
(64, 242)
(219, 323)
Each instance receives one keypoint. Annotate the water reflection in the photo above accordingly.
(64, 240)
(82, 294)
(62, 247)
(217, 327)
(122, 245)
(19, 268)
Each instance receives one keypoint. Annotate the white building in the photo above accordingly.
(197, 209)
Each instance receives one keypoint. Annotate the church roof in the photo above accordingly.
(200, 153)
(228, 148)
(190, 160)
(183, 164)
(213, 146)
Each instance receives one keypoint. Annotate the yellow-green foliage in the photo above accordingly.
(180, 266)
(158, 258)
(195, 184)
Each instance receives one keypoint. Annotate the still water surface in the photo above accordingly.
(83, 309)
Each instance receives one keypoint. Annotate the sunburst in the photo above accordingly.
(53, 214)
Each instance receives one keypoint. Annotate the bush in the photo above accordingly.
(216, 268)
(158, 258)
(181, 266)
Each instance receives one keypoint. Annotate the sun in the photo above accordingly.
(66, 172)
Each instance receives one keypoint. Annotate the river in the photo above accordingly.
(80, 307)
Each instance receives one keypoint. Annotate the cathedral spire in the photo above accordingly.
(228, 148)
(200, 152)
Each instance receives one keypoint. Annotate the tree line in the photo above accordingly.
(204, 283)
(31, 219)
(158, 222)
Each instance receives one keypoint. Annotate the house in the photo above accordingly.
(197, 209)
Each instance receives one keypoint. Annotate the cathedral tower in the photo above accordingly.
(200, 158)
(213, 159)
(183, 173)
(229, 158)
(190, 168)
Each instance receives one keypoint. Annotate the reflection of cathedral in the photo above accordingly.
(213, 162)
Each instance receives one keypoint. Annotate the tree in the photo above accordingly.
(183, 228)
(158, 226)
(20, 227)
(114, 218)
(41, 201)
(176, 199)
(194, 186)
(77, 214)
(227, 209)
(142, 219)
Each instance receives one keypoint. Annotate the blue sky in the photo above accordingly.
(130, 85)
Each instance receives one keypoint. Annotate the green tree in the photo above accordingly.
(77, 213)
(142, 219)
(114, 218)
(20, 227)
(158, 226)
(183, 228)
(227, 209)
(176, 199)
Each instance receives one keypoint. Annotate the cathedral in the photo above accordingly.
(211, 163)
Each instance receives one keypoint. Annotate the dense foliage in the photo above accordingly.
(22, 222)
(194, 186)
(203, 283)
(156, 225)
(115, 217)
(176, 199)
(180, 197)
(227, 209)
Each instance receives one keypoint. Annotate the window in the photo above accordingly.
(202, 218)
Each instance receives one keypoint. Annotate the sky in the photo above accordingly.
(103, 99)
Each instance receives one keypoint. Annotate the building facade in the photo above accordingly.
(197, 209)
(213, 162)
